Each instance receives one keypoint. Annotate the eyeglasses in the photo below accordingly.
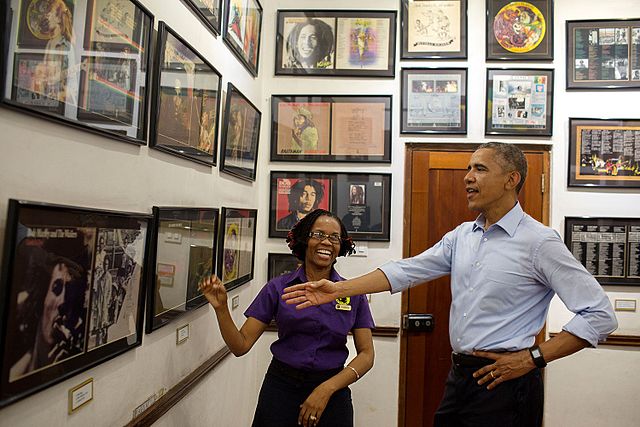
(333, 238)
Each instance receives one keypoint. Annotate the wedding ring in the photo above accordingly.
(492, 375)
(312, 417)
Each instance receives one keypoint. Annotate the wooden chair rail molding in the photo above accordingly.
(378, 331)
(619, 340)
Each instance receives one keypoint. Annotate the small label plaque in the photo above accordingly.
(182, 334)
(625, 305)
(80, 395)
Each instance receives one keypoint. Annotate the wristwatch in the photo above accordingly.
(537, 357)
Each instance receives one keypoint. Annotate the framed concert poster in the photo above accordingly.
(208, 11)
(242, 31)
(186, 104)
(240, 136)
(72, 292)
(336, 128)
(434, 100)
(336, 43)
(183, 252)
(237, 244)
(434, 29)
(519, 102)
(519, 30)
(609, 248)
(603, 54)
(604, 153)
(279, 264)
(113, 26)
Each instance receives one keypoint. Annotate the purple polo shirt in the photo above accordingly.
(314, 338)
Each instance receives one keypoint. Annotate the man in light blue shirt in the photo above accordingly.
(505, 268)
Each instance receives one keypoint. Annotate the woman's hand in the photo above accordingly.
(312, 408)
(214, 291)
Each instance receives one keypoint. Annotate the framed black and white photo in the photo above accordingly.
(279, 264)
(237, 244)
(243, 31)
(208, 11)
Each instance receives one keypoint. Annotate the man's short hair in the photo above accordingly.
(510, 158)
(298, 188)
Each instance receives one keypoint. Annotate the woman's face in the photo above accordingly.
(322, 253)
(307, 41)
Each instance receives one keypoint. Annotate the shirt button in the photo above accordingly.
(464, 315)
(485, 239)
(458, 340)
(471, 289)
(477, 264)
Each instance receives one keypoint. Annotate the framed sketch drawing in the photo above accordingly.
(208, 11)
(279, 264)
(243, 30)
(237, 244)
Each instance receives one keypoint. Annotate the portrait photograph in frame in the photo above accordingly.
(72, 292)
(279, 264)
(236, 246)
(243, 31)
(337, 128)
(208, 11)
(601, 153)
(519, 102)
(434, 29)
(434, 100)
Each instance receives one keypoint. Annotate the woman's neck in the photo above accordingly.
(314, 273)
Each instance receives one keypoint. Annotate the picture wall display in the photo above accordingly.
(208, 11)
(72, 292)
(243, 30)
(361, 201)
(335, 128)
(237, 244)
(609, 248)
(279, 264)
(183, 251)
(336, 43)
(603, 54)
(82, 63)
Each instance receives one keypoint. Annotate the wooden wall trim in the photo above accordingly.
(616, 340)
(378, 331)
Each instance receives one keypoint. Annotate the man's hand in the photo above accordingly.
(507, 366)
(311, 293)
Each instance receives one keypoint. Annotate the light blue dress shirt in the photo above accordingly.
(502, 281)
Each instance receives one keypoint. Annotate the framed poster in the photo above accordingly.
(520, 30)
(243, 30)
(434, 100)
(434, 29)
(336, 43)
(333, 128)
(72, 292)
(183, 252)
(113, 26)
(208, 11)
(279, 264)
(603, 54)
(604, 153)
(240, 136)
(609, 248)
(237, 245)
(519, 102)
(187, 100)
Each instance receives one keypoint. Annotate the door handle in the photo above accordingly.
(418, 322)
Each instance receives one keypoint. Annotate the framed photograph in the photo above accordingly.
(519, 30)
(519, 102)
(603, 54)
(337, 128)
(237, 243)
(72, 292)
(183, 252)
(609, 248)
(279, 264)
(187, 100)
(434, 100)
(113, 26)
(361, 201)
(240, 136)
(434, 29)
(30, 89)
(603, 153)
(336, 43)
(208, 11)
(243, 30)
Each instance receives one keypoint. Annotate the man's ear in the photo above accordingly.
(513, 180)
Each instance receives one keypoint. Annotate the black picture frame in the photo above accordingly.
(183, 252)
(210, 15)
(519, 102)
(366, 216)
(443, 37)
(344, 40)
(243, 31)
(237, 246)
(279, 264)
(603, 54)
(240, 136)
(335, 128)
(73, 288)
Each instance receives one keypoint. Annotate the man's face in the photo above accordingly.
(486, 181)
(307, 41)
(52, 315)
(299, 120)
(307, 199)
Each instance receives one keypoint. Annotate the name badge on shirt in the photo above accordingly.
(343, 304)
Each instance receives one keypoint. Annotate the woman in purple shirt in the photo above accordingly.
(307, 381)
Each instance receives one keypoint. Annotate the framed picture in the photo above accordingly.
(361, 201)
(240, 136)
(609, 248)
(331, 128)
(237, 243)
(434, 100)
(519, 102)
(242, 31)
(72, 292)
(603, 153)
(187, 100)
(520, 30)
(603, 54)
(183, 252)
(434, 29)
(279, 264)
(336, 43)
(79, 63)
(208, 11)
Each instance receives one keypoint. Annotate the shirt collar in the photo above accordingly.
(299, 276)
(509, 222)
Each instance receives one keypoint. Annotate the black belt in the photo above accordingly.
(289, 371)
(469, 360)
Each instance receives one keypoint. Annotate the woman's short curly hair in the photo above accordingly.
(298, 236)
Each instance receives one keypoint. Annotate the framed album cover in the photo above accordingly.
(434, 29)
(434, 100)
(243, 30)
(603, 54)
(519, 102)
(279, 264)
(336, 43)
(183, 252)
(208, 11)
(331, 128)
(237, 245)
(113, 26)
(604, 153)
(72, 292)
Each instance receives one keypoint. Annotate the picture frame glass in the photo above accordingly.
(208, 11)
(237, 246)
(279, 264)
(243, 28)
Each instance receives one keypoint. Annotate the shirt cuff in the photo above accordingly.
(579, 327)
(394, 274)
